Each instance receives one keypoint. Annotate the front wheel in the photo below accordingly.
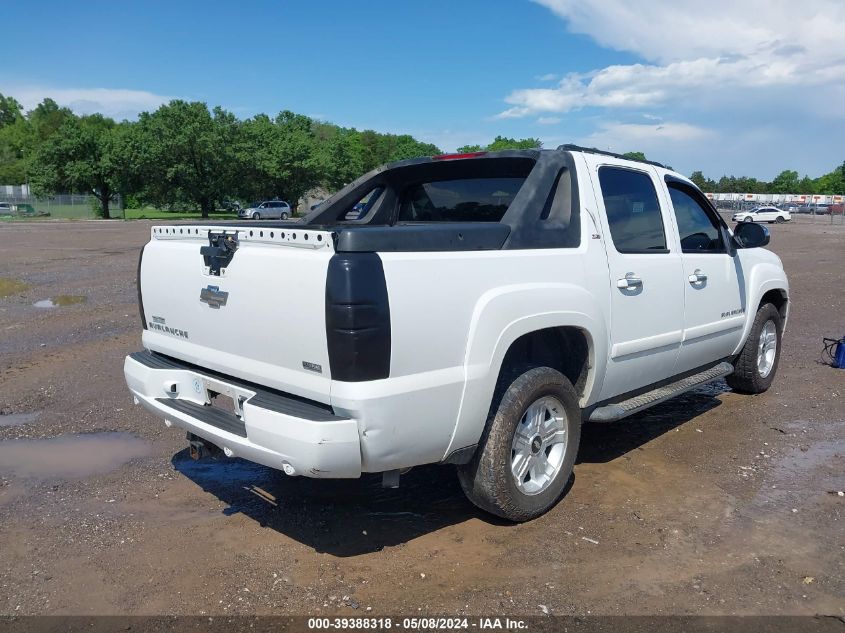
(757, 363)
(527, 451)
(256, 216)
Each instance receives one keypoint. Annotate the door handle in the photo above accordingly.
(697, 277)
(629, 282)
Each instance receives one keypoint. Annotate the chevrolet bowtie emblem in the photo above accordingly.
(213, 296)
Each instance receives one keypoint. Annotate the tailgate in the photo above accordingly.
(247, 302)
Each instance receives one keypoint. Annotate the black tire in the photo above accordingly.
(284, 216)
(746, 377)
(256, 216)
(487, 479)
(746, 219)
(780, 219)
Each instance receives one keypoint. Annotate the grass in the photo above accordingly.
(81, 212)
(157, 214)
(11, 286)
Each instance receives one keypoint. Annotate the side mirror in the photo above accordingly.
(751, 235)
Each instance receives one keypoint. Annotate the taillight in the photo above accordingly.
(357, 318)
(138, 284)
(458, 156)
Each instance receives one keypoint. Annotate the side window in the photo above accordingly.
(361, 208)
(484, 199)
(699, 233)
(633, 211)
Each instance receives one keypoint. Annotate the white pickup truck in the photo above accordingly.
(461, 309)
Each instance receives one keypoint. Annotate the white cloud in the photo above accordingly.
(546, 77)
(672, 30)
(549, 120)
(697, 50)
(113, 102)
(630, 135)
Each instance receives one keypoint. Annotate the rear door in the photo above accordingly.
(646, 289)
(714, 294)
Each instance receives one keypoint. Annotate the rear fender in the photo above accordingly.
(498, 320)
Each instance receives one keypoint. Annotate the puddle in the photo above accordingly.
(59, 301)
(70, 456)
(803, 472)
(11, 286)
(19, 419)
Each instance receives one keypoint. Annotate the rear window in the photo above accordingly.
(460, 200)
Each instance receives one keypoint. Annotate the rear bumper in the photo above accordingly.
(264, 426)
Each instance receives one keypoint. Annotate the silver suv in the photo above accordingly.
(269, 210)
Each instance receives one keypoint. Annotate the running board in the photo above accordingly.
(613, 412)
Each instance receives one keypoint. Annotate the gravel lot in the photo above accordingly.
(715, 504)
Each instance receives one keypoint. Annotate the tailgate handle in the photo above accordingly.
(220, 251)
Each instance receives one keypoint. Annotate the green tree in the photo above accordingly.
(705, 184)
(186, 154)
(806, 186)
(785, 182)
(469, 149)
(279, 158)
(45, 120)
(80, 156)
(635, 155)
(341, 154)
(502, 143)
(10, 111)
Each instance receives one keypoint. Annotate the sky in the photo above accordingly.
(737, 87)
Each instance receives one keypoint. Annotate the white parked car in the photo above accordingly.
(474, 311)
(763, 214)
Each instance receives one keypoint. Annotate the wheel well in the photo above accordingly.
(778, 299)
(565, 349)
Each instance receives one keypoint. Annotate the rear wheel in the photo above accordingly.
(780, 219)
(527, 452)
(757, 363)
(284, 215)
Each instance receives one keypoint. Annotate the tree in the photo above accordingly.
(705, 184)
(806, 186)
(186, 154)
(785, 182)
(10, 111)
(698, 178)
(502, 143)
(341, 154)
(80, 156)
(279, 157)
(635, 155)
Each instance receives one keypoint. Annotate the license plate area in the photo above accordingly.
(224, 402)
(225, 397)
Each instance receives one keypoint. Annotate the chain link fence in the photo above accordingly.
(832, 214)
(18, 202)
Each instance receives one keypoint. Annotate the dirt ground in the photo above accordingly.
(717, 503)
